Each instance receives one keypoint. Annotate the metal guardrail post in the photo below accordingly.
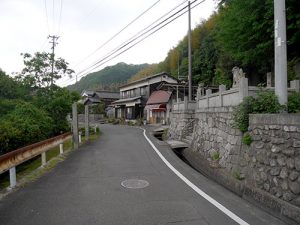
(12, 177)
(61, 148)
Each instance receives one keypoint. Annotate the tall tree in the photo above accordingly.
(38, 69)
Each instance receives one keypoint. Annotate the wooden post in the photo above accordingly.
(86, 120)
(75, 126)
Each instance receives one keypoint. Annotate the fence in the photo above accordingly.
(225, 98)
(12, 159)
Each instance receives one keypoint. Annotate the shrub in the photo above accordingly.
(247, 140)
(294, 103)
(215, 156)
(265, 102)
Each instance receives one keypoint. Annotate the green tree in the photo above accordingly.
(38, 69)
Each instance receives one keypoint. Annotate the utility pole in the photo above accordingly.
(280, 51)
(190, 54)
(53, 41)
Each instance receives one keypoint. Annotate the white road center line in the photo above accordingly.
(194, 187)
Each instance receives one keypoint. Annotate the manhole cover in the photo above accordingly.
(134, 183)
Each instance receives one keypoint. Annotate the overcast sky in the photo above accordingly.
(84, 25)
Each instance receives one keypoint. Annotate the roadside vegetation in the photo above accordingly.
(32, 107)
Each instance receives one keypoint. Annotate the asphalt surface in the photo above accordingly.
(86, 189)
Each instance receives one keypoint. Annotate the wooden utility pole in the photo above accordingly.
(53, 41)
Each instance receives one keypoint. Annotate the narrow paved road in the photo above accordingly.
(86, 189)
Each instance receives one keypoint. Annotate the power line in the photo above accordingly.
(107, 58)
(46, 11)
(116, 34)
(137, 35)
(53, 17)
(60, 15)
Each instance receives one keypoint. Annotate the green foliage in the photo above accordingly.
(10, 88)
(24, 125)
(294, 103)
(237, 175)
(247, 140)
(220, 78)
(215, 155)
(38, 69)
(57, 102)
(265, 102)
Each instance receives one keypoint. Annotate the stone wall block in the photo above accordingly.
(273, 162)
(296, 144)
(259, 145)
(290, 162)
(295, 187)
(284, 173)
(288, 152)
(297, 163)
(281, 161)
(293, 175)
(275, 171)
(275, 149)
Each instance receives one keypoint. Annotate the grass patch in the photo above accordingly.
(247, 140)
(215, 156)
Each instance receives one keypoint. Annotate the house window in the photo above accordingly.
(143, 90)
(132, 93)
(123, 94)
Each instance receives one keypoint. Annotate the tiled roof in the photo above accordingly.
(158, 97)
(107, 94)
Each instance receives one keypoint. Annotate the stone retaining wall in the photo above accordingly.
(270, 163)
(179, 123)
(273, 158)
(213, 132)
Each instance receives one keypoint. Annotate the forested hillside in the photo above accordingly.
(240, 33)
(110, 78)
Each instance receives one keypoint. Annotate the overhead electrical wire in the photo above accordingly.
(134, 36)
(46, 12)
(60, 16)
(116, 34)
(112, 56)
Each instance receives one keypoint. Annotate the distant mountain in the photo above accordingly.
(109, 78)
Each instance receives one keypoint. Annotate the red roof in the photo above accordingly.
(159, 97)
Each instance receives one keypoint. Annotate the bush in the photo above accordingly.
(247, 140)
(25, 125)
(265, 102)
(294, 103)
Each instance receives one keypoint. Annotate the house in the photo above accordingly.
(95, 97)
(156, 106)
(134, 95)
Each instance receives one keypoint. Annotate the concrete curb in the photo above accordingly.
(277, 207)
